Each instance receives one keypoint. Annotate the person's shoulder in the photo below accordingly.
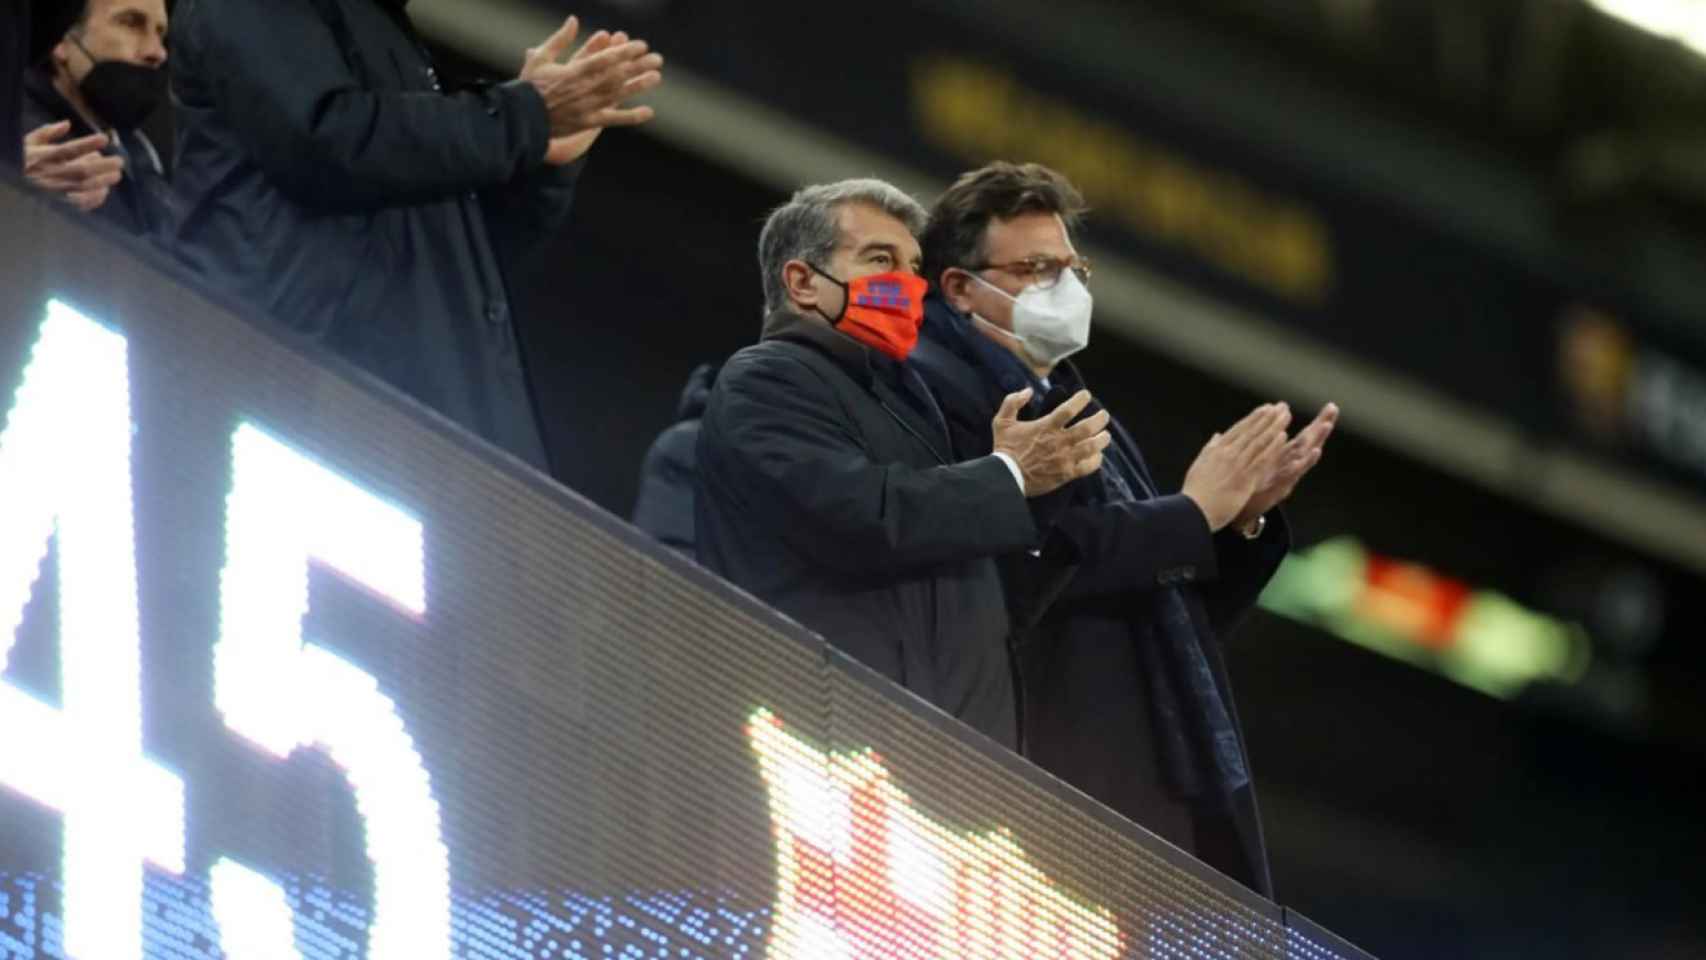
(772, 349)
(771, 359)
(775, 374)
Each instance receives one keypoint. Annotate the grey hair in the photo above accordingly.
(808, 227)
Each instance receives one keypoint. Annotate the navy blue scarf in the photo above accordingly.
(1195, 736)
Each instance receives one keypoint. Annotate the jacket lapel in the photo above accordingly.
(855, 358)
(903, 411)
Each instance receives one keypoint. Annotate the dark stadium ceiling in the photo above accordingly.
(1608, 96)
(1605, 99)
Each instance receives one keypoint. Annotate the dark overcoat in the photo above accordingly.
(332, 183)
(829, 489)
(1090, 611)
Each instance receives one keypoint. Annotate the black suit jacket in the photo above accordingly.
(1089, 608)
(829, 493)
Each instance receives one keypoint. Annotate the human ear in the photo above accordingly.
(800, 281)
(955, 285)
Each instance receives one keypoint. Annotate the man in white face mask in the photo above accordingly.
(1119, 617)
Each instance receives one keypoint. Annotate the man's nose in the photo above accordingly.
(154, 54)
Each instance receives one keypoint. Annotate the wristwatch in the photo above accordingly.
(1254, 531)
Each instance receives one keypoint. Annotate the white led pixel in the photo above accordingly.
(65, 468)
(254, 918)
(284, 694)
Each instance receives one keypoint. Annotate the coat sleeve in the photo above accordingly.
(1246, 566)
(523, 214)
(279, 80)
(777, 445)
(1133, 546)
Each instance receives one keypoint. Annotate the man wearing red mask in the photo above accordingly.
(828, 482)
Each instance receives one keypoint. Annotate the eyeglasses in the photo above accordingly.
(1043, 272)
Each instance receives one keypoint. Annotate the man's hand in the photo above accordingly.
(76, 170)
(566, 150)
(1051, 454)
(1294, 462)
(1233, 464)
(585, 95)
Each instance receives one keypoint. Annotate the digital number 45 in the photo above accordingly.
(65, 468)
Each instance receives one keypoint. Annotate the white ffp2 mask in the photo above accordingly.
(1051, 324)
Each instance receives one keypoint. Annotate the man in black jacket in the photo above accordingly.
(106, 75)
(333, 184)
(74, 169)
(20, 47)
(829, 486)
(1126, 692)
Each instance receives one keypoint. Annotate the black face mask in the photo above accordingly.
(121, 94)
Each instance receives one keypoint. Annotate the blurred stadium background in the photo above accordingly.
(1478, 225)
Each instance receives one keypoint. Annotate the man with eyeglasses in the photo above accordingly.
(1118, 617)
(826, 483)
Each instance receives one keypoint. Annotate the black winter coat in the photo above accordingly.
(331, 183)
(664, 507)
(832, 495)
(1082, 646)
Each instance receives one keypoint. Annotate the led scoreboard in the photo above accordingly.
(294, 669)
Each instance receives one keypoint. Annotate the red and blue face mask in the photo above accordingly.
(883, 311)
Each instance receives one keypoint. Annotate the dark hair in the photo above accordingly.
(959, 223)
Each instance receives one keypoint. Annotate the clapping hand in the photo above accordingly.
(588, 93)
(1051, 451)
(1294, 461)
(1232, 465)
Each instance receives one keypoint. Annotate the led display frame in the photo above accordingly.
(298, 670)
